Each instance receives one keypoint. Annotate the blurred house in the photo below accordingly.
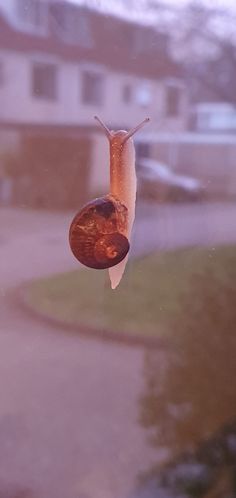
(60, 64)
(208, 157)
(214, 117)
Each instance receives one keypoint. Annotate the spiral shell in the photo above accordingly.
(97, 233)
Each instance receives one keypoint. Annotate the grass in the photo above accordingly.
(195, 397)
(149, 299)
(188, 296)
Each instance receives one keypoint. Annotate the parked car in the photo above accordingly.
(157, 181)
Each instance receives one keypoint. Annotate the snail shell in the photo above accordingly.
(97, 235)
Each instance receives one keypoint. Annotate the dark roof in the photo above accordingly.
(116, 43)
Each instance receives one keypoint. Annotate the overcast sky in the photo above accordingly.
(136, 8)
(101, 3)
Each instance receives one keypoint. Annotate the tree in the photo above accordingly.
(204, 40)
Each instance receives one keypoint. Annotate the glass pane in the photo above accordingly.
(117, 249)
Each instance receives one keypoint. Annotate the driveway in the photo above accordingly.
(69, 406)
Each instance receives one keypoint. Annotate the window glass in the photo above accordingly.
(128, 390)
(31, 12)
(92, 88)
(172, 101)
(73, 26)
(127, 93)
(143, 150)
(143, 95)
(44, 81)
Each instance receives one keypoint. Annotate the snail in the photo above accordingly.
(100, 232)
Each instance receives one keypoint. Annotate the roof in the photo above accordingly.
(116, 43)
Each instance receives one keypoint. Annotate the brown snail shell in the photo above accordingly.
(97, 233)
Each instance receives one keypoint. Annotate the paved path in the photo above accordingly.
(68, 413)
(68, 406)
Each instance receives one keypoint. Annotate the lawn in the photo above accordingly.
(187, 296)
(156, 292)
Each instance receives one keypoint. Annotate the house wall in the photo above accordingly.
(216, 117)
(21, 110)
(18, 105)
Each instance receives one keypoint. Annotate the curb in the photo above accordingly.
(19, 297)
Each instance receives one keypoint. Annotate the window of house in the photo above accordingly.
(143, 95)
(44, 81)
(172, 100)
(143, 149)
(92, 88)
(74, 26)
(126, 94)
(78, 29)
(203, 120)
(31, 12)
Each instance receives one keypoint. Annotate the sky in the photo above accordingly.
(139, 12)
(99, 3)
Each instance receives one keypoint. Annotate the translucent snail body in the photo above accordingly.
(100, 233)
(123, 184)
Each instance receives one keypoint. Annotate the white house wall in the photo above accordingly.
(17, 105)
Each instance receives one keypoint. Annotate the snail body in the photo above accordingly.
(123, 186)
(100, 233)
